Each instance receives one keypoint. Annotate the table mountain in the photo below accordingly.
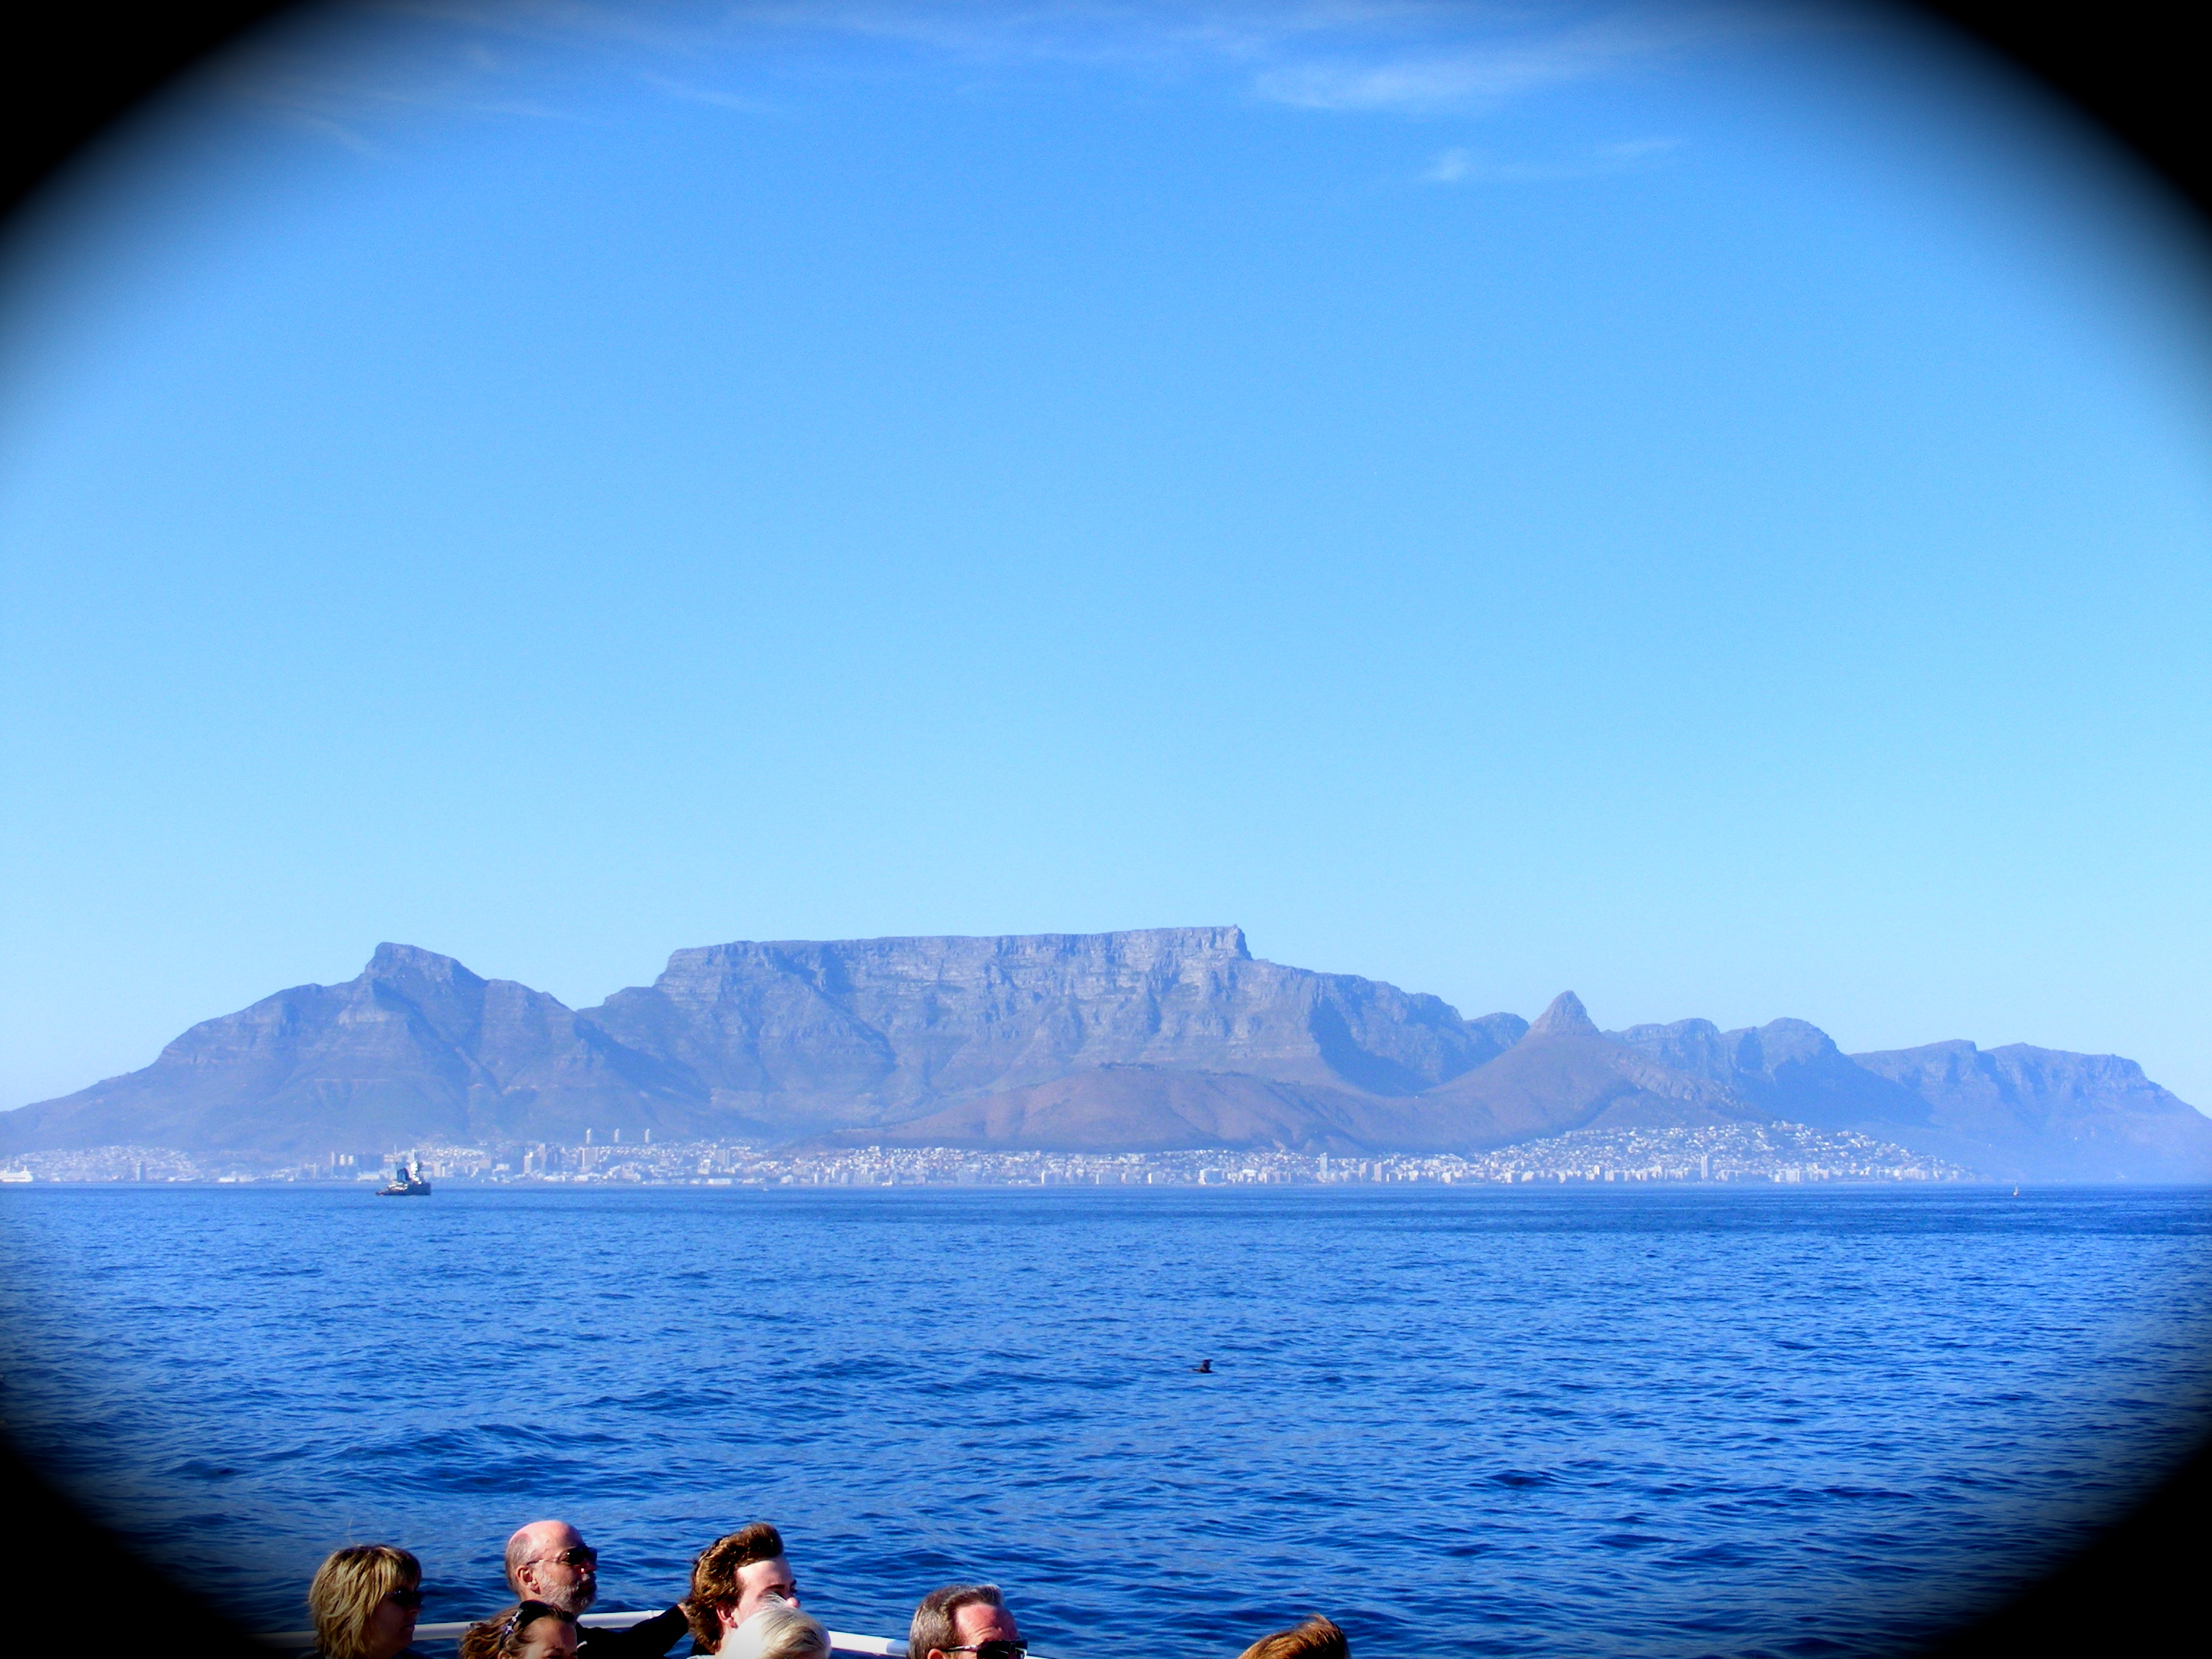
(867, 1031)
(764, 1041)
(1127, 1042)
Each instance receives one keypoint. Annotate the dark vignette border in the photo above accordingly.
(2130, 66)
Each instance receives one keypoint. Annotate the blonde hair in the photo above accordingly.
(1316, 1638)
(347, 1588)
(778, 1631)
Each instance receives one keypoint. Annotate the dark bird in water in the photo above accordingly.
(1204, 1367)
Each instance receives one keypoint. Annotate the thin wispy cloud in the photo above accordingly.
(1460, 165)
(1405, 56)
(691, 92)
(1455, 74)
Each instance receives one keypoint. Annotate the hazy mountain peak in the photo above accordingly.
(1566, 1017)
(410, 961)
(1780, 1042)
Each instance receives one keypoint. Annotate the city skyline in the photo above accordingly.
(1785, 1154)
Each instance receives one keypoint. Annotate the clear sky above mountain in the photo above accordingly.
(1710, 506)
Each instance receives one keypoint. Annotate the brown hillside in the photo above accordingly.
(1130, 1109)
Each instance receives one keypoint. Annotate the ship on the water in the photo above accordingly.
(406, 1181)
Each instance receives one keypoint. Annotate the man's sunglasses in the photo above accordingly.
(410, 1599)
(994, 1649)
(582, 1556)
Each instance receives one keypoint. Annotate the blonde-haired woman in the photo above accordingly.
(778, 1631)
(364, 1598)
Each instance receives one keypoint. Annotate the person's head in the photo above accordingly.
(778, 1631)
(363, 1599)
(528, 1630)
(964, 1619)
(549, 1561)
(1316, 1638)
(734, 1578)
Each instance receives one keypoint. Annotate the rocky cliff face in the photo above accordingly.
(1109, 1041)
(867, 1031)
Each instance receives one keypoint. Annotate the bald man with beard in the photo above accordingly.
(549, 1561)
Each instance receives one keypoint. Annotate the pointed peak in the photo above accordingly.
(393, 962)
(1566, 1017)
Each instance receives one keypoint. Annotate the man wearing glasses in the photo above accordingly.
(549, 1561)
(964, 1619)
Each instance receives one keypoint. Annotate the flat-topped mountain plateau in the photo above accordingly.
(1148, 1041)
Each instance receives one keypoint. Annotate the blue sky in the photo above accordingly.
(1706, 506)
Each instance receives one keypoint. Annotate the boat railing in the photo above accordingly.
(881, 1647)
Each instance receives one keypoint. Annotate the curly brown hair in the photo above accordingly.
(714, 1576)
(1316, 1638)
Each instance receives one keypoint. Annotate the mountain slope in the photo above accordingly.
(1146, 1108)
(1562, 1074)
(1787, 1068)
(2027, 1114)
(2013, 1114)
(1565, 1074)
(414, 1049)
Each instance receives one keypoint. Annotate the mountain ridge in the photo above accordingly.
(1132, 1040)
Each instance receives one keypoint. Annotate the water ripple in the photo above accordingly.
(1664, 1423)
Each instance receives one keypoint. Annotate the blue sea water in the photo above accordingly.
(1660, 1421)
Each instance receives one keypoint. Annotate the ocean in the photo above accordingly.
(1657, 1421)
